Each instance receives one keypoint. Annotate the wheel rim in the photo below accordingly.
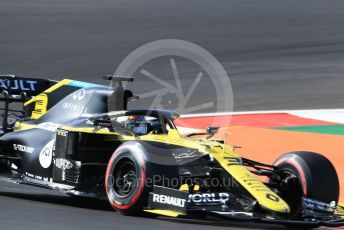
(125, 178)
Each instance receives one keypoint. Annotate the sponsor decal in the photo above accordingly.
(164, 199)
(272, 197)
(79, 95)
(254, 183)
(63, 164)
(318, 205)
(25, 85)
(184, 155)
(209, 197)
(23, 148)
(46, 154)
(49, 126)
(74, 107)
(62, 133)
(188, 153)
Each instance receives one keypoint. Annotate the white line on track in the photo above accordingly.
(330, 115)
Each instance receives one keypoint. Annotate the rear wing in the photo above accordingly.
(14, 89)
(14, 85)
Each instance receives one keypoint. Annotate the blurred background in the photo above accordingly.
(279, 54)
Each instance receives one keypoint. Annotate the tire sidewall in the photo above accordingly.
(135, 201)
(317, 175)
(288, 162)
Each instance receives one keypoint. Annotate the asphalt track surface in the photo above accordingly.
(279, 55)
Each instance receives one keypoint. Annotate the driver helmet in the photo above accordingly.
(136, 123)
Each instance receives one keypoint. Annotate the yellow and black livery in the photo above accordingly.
(70, 136)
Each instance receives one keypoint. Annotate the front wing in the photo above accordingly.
(175, 203)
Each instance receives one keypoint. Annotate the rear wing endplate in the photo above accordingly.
(18, 89)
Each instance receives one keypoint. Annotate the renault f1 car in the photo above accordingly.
(79, 138)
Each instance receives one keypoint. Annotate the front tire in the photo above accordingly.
(309, 175)
(132, 172)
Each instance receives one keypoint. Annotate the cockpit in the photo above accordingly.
(137, 122)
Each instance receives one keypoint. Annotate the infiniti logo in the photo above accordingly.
(79, 95)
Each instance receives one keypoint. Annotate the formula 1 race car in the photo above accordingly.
(79, 138)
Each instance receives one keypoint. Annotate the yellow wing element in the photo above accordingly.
(58, 85)
(265, 196)
(165, 212)
(23, 126)
(185, 187)
(41, 102)
(340, 210)
(51, 89)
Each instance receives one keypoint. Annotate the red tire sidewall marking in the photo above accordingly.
(302, 176)
(299, 170)
(141, 185)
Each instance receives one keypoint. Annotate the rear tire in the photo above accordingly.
(316, 178)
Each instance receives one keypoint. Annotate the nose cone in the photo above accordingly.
(277, 205)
